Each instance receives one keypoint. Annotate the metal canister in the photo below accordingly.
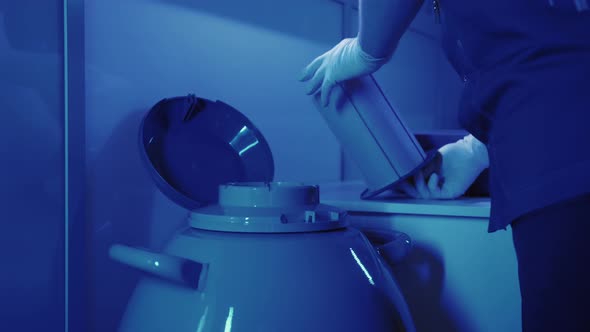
(374, 135)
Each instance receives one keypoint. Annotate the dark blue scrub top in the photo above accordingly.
(526, 67)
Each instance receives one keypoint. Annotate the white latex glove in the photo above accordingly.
(343, 62)
(462, 162)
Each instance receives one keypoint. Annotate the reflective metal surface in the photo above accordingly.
(192, 145)
(374, 135)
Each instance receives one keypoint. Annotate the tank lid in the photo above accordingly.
(191, 145)
(268, 207)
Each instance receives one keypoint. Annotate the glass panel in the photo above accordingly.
(32, 165)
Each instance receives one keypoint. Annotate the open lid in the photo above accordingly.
(192, 145)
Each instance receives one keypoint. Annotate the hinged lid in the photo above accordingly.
(192, 145)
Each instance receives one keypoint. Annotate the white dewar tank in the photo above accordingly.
(257, 255)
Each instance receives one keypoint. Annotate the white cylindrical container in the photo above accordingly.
(268, 258)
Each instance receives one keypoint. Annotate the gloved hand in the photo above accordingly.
(462, 162)
(345, 61)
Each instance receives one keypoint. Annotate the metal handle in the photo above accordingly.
(393, 246)
(176, 269)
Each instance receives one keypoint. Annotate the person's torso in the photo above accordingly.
(526, 68)
(482, 35)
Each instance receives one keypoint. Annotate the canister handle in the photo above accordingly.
(392, 246)
(175, 269)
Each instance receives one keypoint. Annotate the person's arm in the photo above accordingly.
(382, 24)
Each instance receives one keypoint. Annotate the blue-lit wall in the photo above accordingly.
(32, 166)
